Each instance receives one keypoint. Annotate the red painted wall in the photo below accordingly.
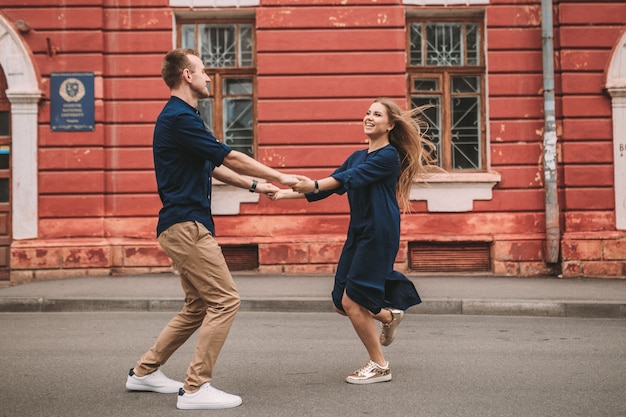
(320, 63)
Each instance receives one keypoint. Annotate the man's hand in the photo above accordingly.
(266, 188)
(288, 180)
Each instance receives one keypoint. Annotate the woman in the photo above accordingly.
(366, 286)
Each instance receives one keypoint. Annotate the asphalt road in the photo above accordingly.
(293, 364)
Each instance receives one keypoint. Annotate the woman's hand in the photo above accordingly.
(283, 194)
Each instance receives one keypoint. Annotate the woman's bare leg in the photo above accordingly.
(365, 327)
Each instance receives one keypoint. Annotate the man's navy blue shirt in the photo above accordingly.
(185, 154)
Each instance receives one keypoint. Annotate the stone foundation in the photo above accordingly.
(583, 256)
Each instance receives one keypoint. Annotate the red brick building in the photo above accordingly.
(291, 80)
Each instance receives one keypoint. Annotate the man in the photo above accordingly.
(186, 157)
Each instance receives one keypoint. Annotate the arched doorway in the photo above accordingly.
(5, 180)
(616, 86)
(21, 88)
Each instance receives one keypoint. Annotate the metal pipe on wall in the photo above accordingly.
(553, 237)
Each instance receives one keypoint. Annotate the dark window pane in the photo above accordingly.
(472, 43)
(443, 44)
(238, 132)
(234, 86)
(4, 190)
(415, 53)
(466, 133)
(205, 107)
(188, 36)
(4, 123)
(432, 116)
(426, 84)
(218, 45)
(4, 158)
(246, 46)
(465, 156)
(221, 45)
(465, 84)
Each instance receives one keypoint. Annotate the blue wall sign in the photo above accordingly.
(72, 101)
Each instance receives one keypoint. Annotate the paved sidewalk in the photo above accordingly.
(441, 295)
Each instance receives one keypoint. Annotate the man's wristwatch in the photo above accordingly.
(317, 187)
(253, 186)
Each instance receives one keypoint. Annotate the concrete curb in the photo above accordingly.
(543, 308)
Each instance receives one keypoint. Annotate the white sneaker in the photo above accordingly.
(155, 382)
(206, 398)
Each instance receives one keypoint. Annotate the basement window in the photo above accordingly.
(450, 257)
(241, 257)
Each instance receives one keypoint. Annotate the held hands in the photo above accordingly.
(299, 185)
(304, 184)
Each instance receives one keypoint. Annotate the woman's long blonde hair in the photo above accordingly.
(416, 152)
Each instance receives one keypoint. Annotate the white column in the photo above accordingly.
(619, 155)
(24, 163)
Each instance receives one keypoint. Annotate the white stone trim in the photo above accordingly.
(226, 199)
(214, 3)
(616, 86)
(24, 94)
(445, 2)
(454, 192)
(442, 192)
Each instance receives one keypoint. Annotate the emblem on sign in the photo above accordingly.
(72, 90)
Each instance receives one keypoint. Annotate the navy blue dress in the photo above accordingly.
(365, 269)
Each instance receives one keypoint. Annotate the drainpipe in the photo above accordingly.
(549, 136)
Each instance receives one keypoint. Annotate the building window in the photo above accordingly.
(227, 50)
(5, 157)
(446, 74)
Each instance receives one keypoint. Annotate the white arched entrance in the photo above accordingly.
(24, 94)
(616, 86)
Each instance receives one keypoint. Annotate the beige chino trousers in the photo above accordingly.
(211, 302)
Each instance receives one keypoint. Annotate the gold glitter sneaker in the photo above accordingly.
(388, 331)
(370, 374)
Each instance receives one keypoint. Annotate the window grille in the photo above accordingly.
(447, 79)
(227, 50)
